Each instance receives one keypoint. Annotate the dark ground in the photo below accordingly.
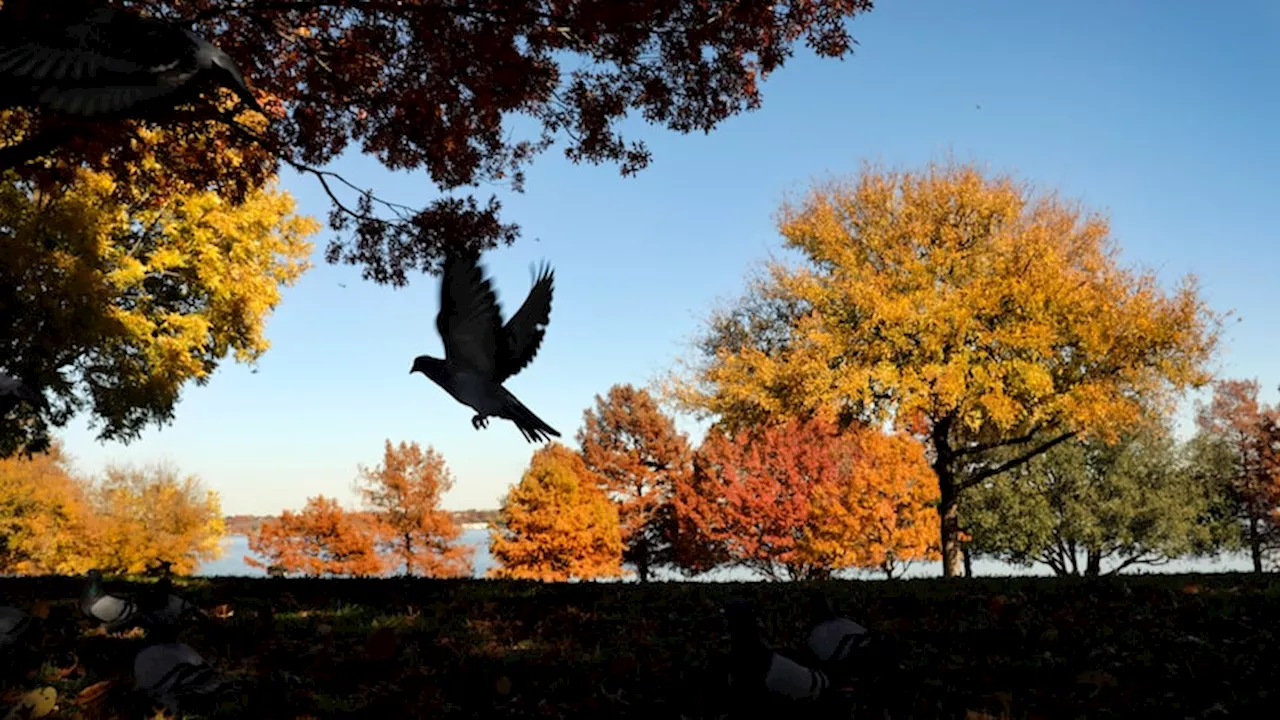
(1147, 646)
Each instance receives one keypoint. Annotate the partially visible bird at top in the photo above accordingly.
(14, 391)
(480, 353)
(111, 63)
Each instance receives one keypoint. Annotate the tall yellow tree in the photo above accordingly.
(404, 492)
(46, 521)
(984, 317)
(152, 514)
(121, 286)
(556, 524)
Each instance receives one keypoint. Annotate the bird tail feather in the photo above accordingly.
(530, 425)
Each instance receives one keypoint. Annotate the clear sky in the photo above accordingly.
(1164, 115)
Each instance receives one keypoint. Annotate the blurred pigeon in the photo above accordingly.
(162, 607)
(13, 624)
(833, 639)
(481, 352)
(14, 391)
(117, 613)
(759, 672)
(111, 62)
(174, 674)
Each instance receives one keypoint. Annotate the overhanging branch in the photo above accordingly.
(1024, 457)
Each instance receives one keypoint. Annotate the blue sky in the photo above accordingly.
(1166, 120)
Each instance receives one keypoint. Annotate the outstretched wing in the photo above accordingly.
(523, 333)
(469, 321)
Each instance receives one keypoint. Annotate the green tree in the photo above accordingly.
(118, 291)
(1089, 508)
(991, 322)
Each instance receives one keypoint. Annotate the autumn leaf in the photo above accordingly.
(34, 704)
(95, 693)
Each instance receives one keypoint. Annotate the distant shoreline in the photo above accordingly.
(249, 524)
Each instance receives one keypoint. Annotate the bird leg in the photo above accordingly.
(479, 421)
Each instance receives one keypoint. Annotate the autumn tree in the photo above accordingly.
(321, 539)
(153, 514)
(989, 318)
(404, 495)
(1087, 507)
(881, 511)
(638, 454)
(434, 86)
(118, 288)
(556, 524)
(751, 495)
(46, 520)
(1246, 435)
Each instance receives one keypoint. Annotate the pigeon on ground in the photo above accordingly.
(13, 624)
(14, 391)
(175, 675)
(758, 672)
(115, 612)
(111, 62)
(833, 639)
(480, 352)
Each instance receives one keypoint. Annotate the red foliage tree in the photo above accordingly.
(1251, 431)
(427, 84)
(322, 539)
(413, 531)
(751, 496)
(638, 455)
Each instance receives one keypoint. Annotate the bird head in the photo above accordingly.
(221, 67)
(429, 366)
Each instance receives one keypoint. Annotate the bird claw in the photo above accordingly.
(479, 421)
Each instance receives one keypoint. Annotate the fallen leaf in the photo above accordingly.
(503, 685)
(35, 704)
(40, 609)
(381, 644)
(223, 611)
(978, 715)
(95, 693)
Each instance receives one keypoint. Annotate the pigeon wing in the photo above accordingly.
(523, 333)
(469, 321)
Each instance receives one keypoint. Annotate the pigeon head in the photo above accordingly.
(429, 366)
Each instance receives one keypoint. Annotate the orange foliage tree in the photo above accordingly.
(637, 453)
(882, 510)
(404, 495)
(1250, 434)
(751, 495)
(434, 85)
(556, 524)
(998, 322)
(321, 539)
(47, 524)
(153, 514)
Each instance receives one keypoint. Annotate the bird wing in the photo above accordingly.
(469, 320)
(523, 333)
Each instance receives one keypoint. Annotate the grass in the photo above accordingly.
(1159, 646)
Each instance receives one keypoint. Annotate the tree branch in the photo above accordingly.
(44, 142)
(1024, 457)
(983, 447)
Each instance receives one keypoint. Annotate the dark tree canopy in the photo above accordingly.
(431, 84)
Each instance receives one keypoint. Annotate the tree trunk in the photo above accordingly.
(949, 511)
(968, 561)
(1093, 566)
(642, 561)
(1255, 545)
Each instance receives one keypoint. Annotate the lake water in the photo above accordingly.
(235, 547)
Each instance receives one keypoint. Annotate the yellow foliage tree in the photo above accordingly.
(152, 515)
(119, 289)
(882, 512)
(992, 322)
(46, 522)
(556, 524)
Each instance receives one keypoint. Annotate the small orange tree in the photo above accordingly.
(46, 521)
(882, 511)
(556, 524)
(637, 454)
(413, 531)
(322, 539)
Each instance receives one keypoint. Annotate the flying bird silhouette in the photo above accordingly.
(480, 353)
(112, 62)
